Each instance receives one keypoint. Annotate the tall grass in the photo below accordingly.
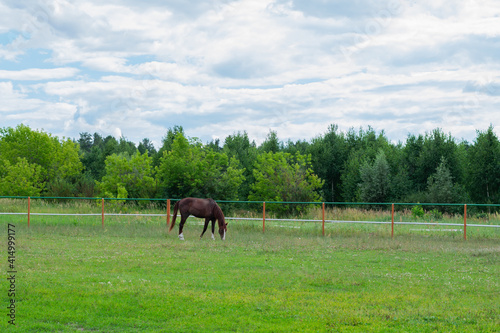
(432, 223)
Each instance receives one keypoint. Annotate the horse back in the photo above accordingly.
(197, 207)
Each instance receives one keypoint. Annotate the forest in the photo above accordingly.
(359, 165)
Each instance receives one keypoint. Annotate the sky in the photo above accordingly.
(134, 69)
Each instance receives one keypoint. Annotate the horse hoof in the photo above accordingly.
(181, 237)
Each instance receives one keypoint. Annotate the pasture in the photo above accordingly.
(132, 276)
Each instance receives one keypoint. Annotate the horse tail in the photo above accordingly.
(176, 207)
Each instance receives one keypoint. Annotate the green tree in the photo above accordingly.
(328, 156)
(146, 146)
(436, 145)
(299, 146)
(167, 142)
(127, 176)
(125, 146)
(271, 143)
(97, 149)
(361, 146)
(85, 142)
(411, 153)
(401, 186)
(351, 177)
(285, 177)
(238, 146)
(189, 170)
(222, 178)
(20, 179)
(483, 180)
(375, 179)
(214, 145)
(440, 185)
(57, 159)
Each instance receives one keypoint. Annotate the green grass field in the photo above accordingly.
(73, 276)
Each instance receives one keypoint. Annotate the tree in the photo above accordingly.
(20, 179)
(85, 142)
(167, 142)
(351, 177)
(375, 179)
(285, 177)
(299, 146)
(238, 146)
(57, 159)
(127, 176)
(328, 156)
(436, 145)
(146, 146)
(125, 146)
(214, 145)
(66, 162)
(440, 186)
(271, 144)
(362, 146)
(401, 185)
(222, 178)
(22, 142)
(96, 151)
(483, 180)
(411, 153)
(93, 155)
(189, 170)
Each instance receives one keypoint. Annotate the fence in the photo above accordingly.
(264, 218)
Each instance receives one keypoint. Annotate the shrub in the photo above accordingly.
(417, 211)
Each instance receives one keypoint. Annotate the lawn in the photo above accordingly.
(132, 276)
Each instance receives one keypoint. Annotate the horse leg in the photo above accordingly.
(213, 228)
(205, 226)
(181, 226)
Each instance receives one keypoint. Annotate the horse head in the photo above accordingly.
(223, 230)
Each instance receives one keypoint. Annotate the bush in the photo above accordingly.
(417, 212)
(436, 214)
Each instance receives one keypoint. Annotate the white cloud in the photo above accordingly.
(217, 67)
(14, 101)
(38, 74)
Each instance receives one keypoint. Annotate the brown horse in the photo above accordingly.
(202, 208)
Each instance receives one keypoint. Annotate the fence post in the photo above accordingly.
(102, 213)
(29, 210)
(465, 222)
(264, 216)
(323, 218)
(168, 213)
(392, 222)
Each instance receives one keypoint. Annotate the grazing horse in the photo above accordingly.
(202, 208)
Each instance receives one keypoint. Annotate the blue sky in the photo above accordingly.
(136, 68)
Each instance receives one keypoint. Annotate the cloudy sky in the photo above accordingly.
(136, 68)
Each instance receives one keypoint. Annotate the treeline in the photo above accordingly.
(356, 166)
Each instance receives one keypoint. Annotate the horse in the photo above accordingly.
(202, 208)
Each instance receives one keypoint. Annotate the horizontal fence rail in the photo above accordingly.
(264, 218)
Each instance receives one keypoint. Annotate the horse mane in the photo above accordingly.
(218, 214)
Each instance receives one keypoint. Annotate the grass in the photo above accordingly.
(133, 276)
